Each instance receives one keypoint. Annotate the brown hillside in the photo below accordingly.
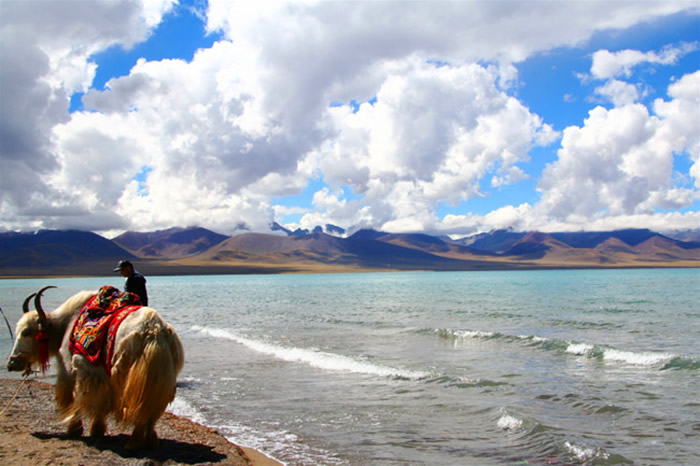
(536, 245)
(615, 246)
(258, 244)
(173, 243)
(664, 249)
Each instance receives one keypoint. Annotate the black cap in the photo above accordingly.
(121, 265)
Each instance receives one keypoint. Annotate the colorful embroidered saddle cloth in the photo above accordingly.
(96, 328)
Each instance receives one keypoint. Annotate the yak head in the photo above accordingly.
(26, 350)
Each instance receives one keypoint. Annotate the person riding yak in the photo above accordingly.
(134, 282)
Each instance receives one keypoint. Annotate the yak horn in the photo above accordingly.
(25, 306)
(37, 304)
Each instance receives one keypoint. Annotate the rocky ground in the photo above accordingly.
(32, 434)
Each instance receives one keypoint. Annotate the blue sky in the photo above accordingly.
(439, 117)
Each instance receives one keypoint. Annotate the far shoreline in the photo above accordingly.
(181, 271)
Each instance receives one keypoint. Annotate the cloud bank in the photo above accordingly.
(398, 110)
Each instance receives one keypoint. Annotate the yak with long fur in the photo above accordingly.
(147, 358)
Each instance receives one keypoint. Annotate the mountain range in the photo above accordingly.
(196, 250)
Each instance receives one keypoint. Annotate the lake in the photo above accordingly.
(546, 367)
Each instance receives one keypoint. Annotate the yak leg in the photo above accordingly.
(143, 436)
(98, 427)
(75, 426)
(69, 412)
(151, 437)
(93, 394)
(65, 384)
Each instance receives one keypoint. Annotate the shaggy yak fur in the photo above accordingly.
(147, 357)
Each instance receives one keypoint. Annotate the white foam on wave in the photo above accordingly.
(238, 434)
(508, 422)
(532, 338)
(584, 454)
(616, 355)
(181, 407)
(473, 334)
(191, 379)
(641, 359)
(579, 349)
(276, 444)
(605, 353)
(314, 358)
(269, 442)
(463, 334)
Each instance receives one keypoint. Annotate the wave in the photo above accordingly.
(621, 310)
(583, 324)
(586, 455)
(592, 351)
(525, 427)
(534, 442)
(587, 404)
(314, 358)
(463, 382)
(682, 363)
(530, 440)
(188, 382)
(272, 443)
(181, 407)
(508, 422)
(276, 443)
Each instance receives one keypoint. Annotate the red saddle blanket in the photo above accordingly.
(96, 327)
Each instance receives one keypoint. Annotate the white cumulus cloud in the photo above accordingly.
(213, 141)
(45, 47)
(608, 64)
(620, 162)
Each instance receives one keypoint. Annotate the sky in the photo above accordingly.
(441, 117)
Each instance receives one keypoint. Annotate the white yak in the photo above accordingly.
(147, 357)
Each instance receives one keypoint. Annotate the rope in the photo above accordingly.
(9, 327)
(15, 396)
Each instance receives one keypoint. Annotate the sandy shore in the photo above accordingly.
(31, 434)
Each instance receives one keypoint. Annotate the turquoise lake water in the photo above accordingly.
(543, 367)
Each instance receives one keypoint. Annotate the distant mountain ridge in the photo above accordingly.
(171, 243)
(501, 241)
(198, 250)
(57, 251)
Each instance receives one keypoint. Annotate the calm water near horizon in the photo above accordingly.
(449, 368)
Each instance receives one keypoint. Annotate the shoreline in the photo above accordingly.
(32, 434)
(193, 271)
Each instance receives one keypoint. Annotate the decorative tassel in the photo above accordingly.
(43, 338)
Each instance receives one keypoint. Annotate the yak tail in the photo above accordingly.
(150, 384)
